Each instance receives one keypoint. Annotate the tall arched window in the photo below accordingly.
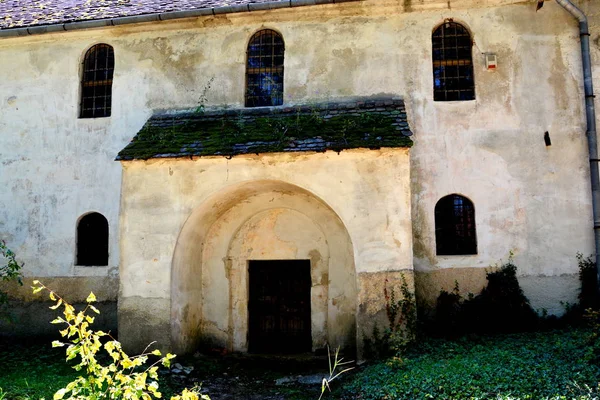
(264, 69)
(96, 81)
(92, 240)
(452, 63)
(455, 226)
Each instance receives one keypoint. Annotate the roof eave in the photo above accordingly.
(164, 16)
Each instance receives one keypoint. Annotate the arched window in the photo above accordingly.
(92, 240)
(96, 82)
(452, 63)
(264, 69)
(455, 226)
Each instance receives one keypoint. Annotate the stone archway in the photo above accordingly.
(259, 220)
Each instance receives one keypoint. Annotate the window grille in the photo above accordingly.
(96, 82)
(92, 240)
(264, 69)
(452, 63)
(455, 226)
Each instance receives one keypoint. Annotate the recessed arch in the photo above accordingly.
(209, 269)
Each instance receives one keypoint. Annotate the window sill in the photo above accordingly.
(455, 255)
(92, 270)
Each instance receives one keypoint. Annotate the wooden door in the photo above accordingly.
(279, 306)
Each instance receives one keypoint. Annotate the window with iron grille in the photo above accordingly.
(452, 63)
(96, 82)
(455, 226)
(264, 69)
(92, 240)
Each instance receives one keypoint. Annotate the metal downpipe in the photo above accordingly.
(590, 113)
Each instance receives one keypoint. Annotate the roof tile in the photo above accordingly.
(24, 13)
(321, 127)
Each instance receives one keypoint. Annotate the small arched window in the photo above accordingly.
(264, 69)
(96, 82)
(92, 240)
(455, 226)
(452, 63)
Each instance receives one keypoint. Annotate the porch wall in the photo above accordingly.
(367, 191)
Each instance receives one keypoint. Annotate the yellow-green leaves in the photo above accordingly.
(58, 303)
(166, 360)
(60, 394)
(91, 298)
(123, 378)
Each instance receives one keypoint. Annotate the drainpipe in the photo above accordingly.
(590, 113)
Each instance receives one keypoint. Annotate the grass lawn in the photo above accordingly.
(30, 369)
(542, 365)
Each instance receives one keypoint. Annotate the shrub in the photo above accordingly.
(124, 378)
(402, 324)
(448, 312)
(10, 271)
(500, 307)
(579, 313)
(588, 297)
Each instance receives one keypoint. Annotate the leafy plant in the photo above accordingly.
(10, 271)
(402, 319)
(124, 378)
(500, 307)
(588, 297)
(448, 310)
(403, 327)
(204, 97)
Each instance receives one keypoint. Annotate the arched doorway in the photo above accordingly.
(253, 222)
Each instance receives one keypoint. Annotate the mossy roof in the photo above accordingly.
(372, 124)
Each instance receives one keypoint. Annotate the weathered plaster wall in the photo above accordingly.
(29, 313)
(207, 217)
(528, 198)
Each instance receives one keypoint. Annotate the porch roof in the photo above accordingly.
(369, 123)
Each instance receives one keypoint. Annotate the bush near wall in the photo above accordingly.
(10, 271)
(500, 307)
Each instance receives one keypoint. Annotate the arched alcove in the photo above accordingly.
(259, 220)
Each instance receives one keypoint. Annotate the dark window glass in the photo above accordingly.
(455, 226)
(264, 69)
(96, 82)
(452, 63)
(92, 240)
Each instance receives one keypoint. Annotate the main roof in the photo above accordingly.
(27, 13)
(367, 123)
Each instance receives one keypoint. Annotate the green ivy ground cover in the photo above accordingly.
(543, 365)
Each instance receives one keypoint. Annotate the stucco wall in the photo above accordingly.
(529, 198)
(189, 235)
